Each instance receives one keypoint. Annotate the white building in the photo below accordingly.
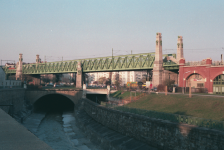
(96, 76)
(10, 65)
(8, 83)
(122, 76)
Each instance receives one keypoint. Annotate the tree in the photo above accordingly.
(118, 81)
(45, 79)
(95, 82)
(169, 82)
(56, 78)
(102, 80)
(165, 59)
(143, 80)
(108, 81)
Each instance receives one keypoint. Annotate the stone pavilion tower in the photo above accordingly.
(158, 63)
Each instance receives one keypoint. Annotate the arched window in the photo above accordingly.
(219, 80)
(196, 80)
(218, 84)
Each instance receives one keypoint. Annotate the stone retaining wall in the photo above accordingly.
(158, 133)
(12, 96)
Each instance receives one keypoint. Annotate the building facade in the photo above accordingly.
(8, 83)
(208, 75)
(122, 76)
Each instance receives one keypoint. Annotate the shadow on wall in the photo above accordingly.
(97, 97)
(53, 102)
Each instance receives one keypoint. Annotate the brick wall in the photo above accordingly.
(158, 133)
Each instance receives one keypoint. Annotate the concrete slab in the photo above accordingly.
(13, 136)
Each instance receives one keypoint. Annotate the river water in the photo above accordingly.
(59, 130)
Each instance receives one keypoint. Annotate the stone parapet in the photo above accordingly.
(208, 61)
(182, 62)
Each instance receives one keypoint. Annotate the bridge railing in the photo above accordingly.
(217, 63)
(198, 63)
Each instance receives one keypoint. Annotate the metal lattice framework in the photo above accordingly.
(9, 71)
(113, 63)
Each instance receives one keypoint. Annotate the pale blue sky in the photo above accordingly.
(91, 28)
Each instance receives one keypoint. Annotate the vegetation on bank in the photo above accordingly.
(124, 94)
(208, 107)
(202, 111)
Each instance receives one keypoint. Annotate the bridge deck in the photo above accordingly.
(15, 136)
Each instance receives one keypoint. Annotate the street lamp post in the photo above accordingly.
(183, 82)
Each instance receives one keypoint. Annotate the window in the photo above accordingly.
(196, 76)
(200, 85)
(218, 80)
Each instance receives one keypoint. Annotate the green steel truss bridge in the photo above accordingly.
(132, 62)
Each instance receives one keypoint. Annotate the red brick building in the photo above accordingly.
(208, 75)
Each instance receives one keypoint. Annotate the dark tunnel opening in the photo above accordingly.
(53, 103)
(97, 97)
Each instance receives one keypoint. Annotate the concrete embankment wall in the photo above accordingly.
(158, 133)
(12, 96)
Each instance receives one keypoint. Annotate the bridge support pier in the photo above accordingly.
(158, 63)
(19, 68)
(108, 92)
(84, 91)
(79, 76)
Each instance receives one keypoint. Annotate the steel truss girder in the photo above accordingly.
(101, 64)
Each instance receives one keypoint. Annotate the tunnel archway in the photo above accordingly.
(53, 102)
(97, 97)
(196, 79)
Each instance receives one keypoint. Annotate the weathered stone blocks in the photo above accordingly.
(158, 133)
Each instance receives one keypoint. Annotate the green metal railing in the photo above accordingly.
(200, 122)
(113, 63)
